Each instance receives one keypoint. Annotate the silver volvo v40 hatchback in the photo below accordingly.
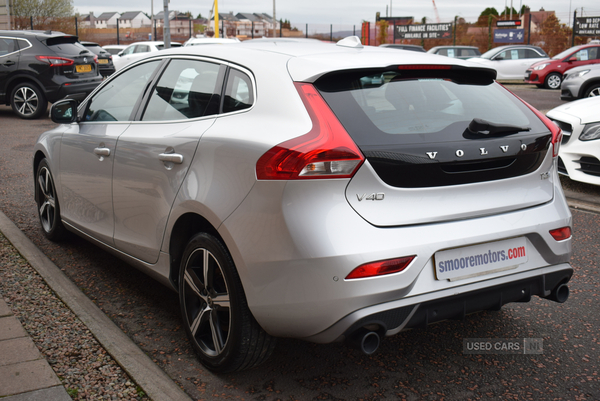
(316, 191)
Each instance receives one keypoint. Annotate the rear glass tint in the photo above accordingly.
(387, 108)
(67, 45)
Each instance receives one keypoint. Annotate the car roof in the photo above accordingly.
(308, 61)
(29, 33)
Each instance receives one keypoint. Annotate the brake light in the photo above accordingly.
(326, 151)
(96, 59)
(380, 268)
(561, 234)
(424, 67)
(56, 61)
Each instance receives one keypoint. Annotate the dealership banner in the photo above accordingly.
(587, 26)
(423, 31)
(509, 36)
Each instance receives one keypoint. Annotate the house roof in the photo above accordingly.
(248, 16)
(128, 15)
(107, 16)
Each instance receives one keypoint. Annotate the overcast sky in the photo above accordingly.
(350, 12)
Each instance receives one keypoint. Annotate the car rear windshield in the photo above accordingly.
(389, 108)
(66, 45)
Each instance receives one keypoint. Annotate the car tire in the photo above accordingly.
(28, 101)
(47, 203)
(593, 91)
(215, 313)
(553, 80)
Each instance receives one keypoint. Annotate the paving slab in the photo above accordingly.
(48, 394)
(10, 327)
(4, 309)
(18, 350)
(26, 376)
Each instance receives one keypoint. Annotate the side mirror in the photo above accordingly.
(120, 53)
(572, 59)
(64, 111)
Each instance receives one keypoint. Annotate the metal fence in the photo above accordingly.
(552, 39)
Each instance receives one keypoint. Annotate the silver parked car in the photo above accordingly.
(581, 82)
(579, 156)
(511, 61)
(315, 191)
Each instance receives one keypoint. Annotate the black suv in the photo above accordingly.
(39, 67)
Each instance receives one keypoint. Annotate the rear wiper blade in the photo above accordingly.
(483, 127)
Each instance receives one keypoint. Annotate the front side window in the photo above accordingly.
(118, 97)
(129, 50)
(187, 89)
(142, 49)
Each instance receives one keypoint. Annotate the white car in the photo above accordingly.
(579, 156)
(511, 62)
(210, 41)
(137, 50)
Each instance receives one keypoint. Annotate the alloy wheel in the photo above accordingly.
(47, 199)
(26, 101)
(207, 304)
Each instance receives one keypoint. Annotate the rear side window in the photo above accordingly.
(7, 46)
(239, 94)
(387, 108)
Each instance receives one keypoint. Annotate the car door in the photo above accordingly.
(153, 156)
(88, 150)
(512, 64)
(9, 62)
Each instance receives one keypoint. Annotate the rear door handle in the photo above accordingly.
(171, 157)
(9, 63)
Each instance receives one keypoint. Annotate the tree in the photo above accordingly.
(45, 14)
(199, 16)
(42, 8)
(488, 11)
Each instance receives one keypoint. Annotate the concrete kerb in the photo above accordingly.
(153, 380)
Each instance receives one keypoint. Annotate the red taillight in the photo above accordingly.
(561, 234)
(556, 131)
(380, 268)
(96, 59)
(327, 151)
(56, 61)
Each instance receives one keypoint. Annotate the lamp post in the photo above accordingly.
(274, 20)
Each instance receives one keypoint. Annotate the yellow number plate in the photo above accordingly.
(83, 68)
(102, 61)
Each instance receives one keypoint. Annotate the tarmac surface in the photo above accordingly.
(26, 376)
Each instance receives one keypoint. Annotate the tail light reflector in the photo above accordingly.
(561, 234)
(56, 61)
(326, 151)
(380, 268)
(557, 134)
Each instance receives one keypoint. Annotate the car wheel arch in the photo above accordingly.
(585, 90)
(37, 159)
(21, 79)
(187, 226)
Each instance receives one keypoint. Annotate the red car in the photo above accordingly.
(549, 73)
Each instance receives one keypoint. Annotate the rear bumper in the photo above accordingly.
(73, 90)
(391, 318)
